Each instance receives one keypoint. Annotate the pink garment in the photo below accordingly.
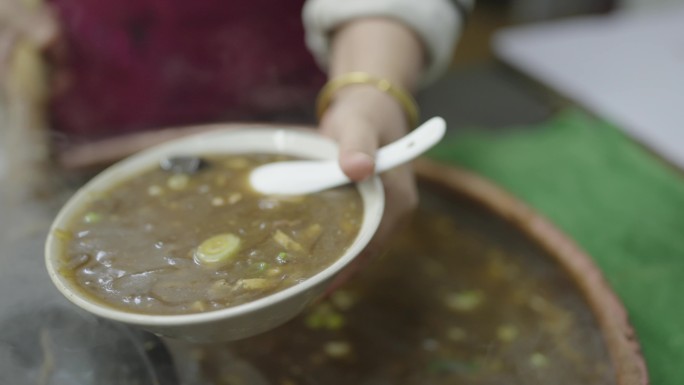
(131, 65)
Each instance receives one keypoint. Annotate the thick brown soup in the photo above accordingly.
(174, 243)
(461, 298)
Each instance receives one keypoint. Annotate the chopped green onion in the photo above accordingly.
(92, 217)
(218, 201)
(464, 301)
(342, 299)
(337, 349)
(285, 241)
(155, 190)
(283, 258)
(260, 266)
(507, 333)
(178, 182)
(538, 360)
(63, 235)
(234, 198)
(254, 283)
(325, 317)
(218, 249)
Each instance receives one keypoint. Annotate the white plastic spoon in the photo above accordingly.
(309, 176)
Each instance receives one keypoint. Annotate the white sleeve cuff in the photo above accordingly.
(437, 22)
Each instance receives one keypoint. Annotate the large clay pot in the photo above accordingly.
(611, 317)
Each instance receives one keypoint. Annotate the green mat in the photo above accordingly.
(624, 206)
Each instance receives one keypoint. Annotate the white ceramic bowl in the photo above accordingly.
(243, 320)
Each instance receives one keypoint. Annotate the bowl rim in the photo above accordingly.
(371, 191)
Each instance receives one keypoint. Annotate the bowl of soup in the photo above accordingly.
(192, 251)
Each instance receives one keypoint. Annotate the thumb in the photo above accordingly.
(358, 144)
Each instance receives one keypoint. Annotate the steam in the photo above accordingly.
(44, 339)
(58, 345)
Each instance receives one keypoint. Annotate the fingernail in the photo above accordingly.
(357, 165)
(360, 159)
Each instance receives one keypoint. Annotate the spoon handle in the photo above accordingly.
(410, 146)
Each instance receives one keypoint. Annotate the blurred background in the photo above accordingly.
(576, 107)
(484, 89)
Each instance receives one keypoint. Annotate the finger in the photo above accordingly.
(357, 142)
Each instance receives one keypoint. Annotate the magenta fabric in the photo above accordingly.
(130, 65)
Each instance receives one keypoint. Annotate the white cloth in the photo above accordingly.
(437, 22)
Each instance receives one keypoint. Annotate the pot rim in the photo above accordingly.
(619, 336)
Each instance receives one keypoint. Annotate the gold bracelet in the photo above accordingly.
(403, 97)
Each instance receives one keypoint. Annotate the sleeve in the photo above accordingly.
(438, 23)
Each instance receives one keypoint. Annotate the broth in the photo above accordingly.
(177, 243)
(461, 298)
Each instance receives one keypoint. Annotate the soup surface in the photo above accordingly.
(461, 298)
(177, 243)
